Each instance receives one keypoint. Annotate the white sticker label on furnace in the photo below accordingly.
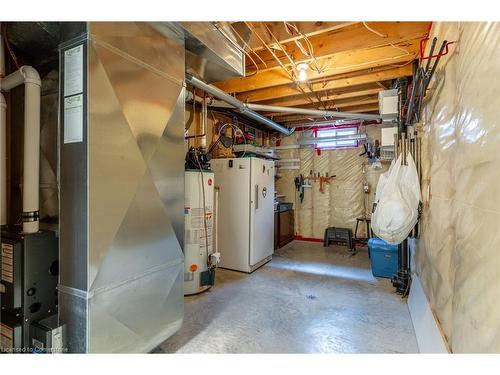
(73, 119)
(73, 71)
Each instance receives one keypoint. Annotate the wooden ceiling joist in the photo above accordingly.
(334, 105)
(350, 38)
(335, 83)
(349, 64)
(302, 118)
(308, 29)
(299, 100)
(340, 63)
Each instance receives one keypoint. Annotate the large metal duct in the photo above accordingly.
(235, 103)
(212, 52)
(121, 185)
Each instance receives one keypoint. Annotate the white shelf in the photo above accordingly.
(251, 149)
(289, 167)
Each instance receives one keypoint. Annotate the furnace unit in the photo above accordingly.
(30, 270)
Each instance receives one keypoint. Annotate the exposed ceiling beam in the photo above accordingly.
(382, 86)
(343, 62)
(308, 29)
(351, 38)
(334, 105)
(300, 100)
(335, 83)
(301, 118)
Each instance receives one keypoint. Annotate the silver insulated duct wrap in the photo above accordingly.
(122, 186)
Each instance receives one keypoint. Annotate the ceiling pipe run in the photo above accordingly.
(313, 112)
(329, 123)
(243, 108)
(349, 137)
(31, 175)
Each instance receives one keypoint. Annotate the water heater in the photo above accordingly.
(199, 257)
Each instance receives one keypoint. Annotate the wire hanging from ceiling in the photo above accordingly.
(309, 52)
(278, 60)
(294, 65)
(390, 44)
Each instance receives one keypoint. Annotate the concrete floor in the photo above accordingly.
(308, 299)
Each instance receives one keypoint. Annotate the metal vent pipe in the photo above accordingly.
(243, 108)
(313, 112)
(348, 137)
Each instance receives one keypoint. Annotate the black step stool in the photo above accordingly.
(339, 234)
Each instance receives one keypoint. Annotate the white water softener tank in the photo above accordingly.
(199, 224)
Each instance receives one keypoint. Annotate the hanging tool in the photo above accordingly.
(299, 185)
(322, 180)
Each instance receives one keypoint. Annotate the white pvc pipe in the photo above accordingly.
(31, 172)
(3, 160)
(216, 230)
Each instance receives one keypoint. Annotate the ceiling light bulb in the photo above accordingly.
(302, 75)
(302, 69)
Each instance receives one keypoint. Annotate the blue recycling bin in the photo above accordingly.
(383, 257)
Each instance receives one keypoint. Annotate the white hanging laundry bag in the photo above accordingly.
(397, 199)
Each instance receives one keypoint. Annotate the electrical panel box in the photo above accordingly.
(388, 136)
(29, 276)
(388, 101)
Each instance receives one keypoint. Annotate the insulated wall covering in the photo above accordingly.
(458, 254)
(343, 200)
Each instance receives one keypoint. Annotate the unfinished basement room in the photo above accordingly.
(249, 186)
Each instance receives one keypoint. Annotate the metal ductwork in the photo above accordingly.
(349, 137)
(313, 112)
(328, 123)
(235, 103)
(122, 186)
(303, 111)
(212, 52)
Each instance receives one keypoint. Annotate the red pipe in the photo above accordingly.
(446, 50)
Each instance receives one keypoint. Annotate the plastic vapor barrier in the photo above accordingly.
(458, 257)
(342, 200)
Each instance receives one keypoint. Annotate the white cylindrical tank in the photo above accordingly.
(196, 253)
